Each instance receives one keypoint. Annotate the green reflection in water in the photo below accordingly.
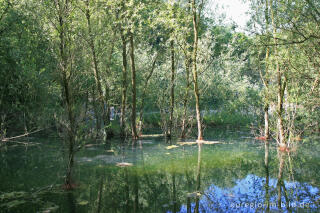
(180, 179)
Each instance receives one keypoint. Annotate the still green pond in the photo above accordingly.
(236, 174)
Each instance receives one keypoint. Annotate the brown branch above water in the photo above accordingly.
(20, 136)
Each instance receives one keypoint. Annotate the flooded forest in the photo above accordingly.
(159, 106)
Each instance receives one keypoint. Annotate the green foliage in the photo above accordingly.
(25, 74)
(295, 55)
(229, 63)
(224, 118)
(152, 120)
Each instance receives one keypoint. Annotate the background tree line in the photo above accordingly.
(68, 63)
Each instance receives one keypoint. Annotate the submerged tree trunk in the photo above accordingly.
(144, 94)
(68, 180)
(266, 122)
(194, 70)
(172, 89)
(96, 70)
(265, 80)
(108, 131)
(186, 98)
(133, 81)
(107, 92)
(124, 84)
(280, 88)
(188, 63)
(65, 71)
(96, 112)
(71, 129)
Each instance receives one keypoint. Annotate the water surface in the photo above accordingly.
(240, 174)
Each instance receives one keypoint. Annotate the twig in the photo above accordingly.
(20, 136)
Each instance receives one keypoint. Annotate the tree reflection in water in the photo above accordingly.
(254, 193)
(239, 177)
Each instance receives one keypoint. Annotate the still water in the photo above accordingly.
(239, 174)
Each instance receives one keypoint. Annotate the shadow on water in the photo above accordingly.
(155, 175)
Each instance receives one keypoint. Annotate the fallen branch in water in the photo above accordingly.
(20, 136)
(200, 142)
(152, 136)
(124, 164)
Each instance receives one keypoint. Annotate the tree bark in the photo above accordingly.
(96, 111)
(63, 7)
(194, 70)
(124, 84)
(280, 88)
(188, 63)
(186, 97)
(144, 93)
(172, 88)
(133, 81)
(266, 82)
(266, 121)
(96, 70)
(107, 90)
(108, 131)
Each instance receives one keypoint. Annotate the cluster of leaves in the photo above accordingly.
(295, 26)
(26, 64)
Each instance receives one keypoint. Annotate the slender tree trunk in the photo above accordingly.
(96, 70)
(186, 98)
(96, 111)
(108, 130)
(107, 92)
(86, 106)
(3, 126)
(68, 180)
(133, 81)
(194, 70)
(144, 93)
(281, 87)
(63, 8)
(266, 122)
(124, 84)
(172, 88)
(188, 62)
(265, 80)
